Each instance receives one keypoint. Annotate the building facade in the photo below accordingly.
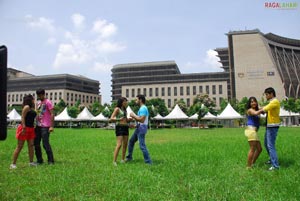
(164, 80)
(67, 87)
(257, 61)
(252, 62)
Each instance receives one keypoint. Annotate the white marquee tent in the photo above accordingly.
(14, 116)
(158, 117)
(229, 113)
(100, 117)
(176, 114)
(285, 113)
(63, 116)
(85, 115)
(208, 116)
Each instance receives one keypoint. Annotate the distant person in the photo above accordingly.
(25, 131)
(119, 116)
(252, 113)
(45, 123)
(273, 122)
(141, 129)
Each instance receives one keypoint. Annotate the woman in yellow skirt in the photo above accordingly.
(251, 131)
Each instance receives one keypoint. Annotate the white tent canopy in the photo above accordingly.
(100, 117)
(14, 116)
(229, 113)
(285, 113)
(63, 116)
(85, 115)
(176, 114)
(208, 116)
(158, 117)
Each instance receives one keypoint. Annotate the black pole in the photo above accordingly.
(3, 91)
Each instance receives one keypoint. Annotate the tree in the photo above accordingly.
(297, 103)
(182, 105)
(155, 106)
(289, 104)
(108, 109)
(60, 106)
(241, 106)
(96, 108)
(73, 111)
(202, 105)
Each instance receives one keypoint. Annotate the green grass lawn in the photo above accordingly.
(188, 164)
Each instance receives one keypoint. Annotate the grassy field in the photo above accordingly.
(188, 164)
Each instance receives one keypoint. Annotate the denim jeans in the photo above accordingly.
(42, 134)
(139, 134)
(270, 139)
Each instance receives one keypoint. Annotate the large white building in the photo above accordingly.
(164, 80)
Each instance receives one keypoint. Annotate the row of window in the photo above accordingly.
(189, 103)
(56, 97)
(187, 92)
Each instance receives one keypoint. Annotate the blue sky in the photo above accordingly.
(88, 37)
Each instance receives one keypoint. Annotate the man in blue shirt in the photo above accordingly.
(140, 131)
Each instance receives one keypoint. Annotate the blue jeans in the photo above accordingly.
(42, 134)
(139, 134)
(270, 139)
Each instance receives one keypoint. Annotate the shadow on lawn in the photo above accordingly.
(286, 162)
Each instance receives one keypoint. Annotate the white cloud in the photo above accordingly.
(108, 47)
(78, 21)
(211, 59)
(79, 49)
(104, 28)
(51, 41)
(208, 64)
(40, 23)
(73, 53)
(102, 67)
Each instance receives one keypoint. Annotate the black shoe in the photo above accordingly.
(50, 163)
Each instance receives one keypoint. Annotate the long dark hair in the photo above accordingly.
(248, 105)
(120, 105)
(28, 100)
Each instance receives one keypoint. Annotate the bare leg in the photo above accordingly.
(30, 150)
(251, 153)
(118, 146)
(257, 151)
(124, 146)
(18, 150)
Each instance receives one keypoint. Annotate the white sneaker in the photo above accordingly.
(115, 163)
(122, 161)
(12, 166)
(33, 164)
(273, 168)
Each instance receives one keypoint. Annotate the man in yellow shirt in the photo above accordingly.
(273, 122)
